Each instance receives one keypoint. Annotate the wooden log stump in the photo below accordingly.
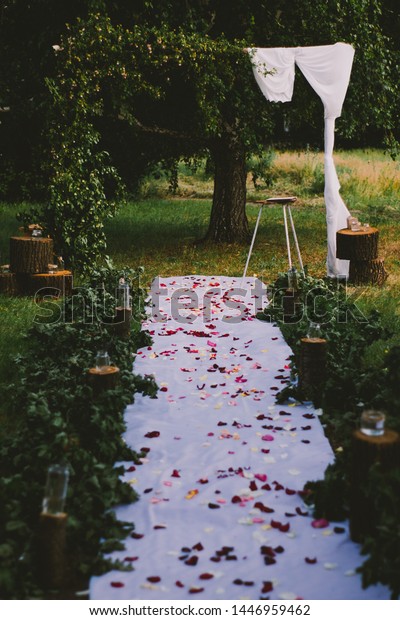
(290, 304)
(312, 366)
(122, 322)
(368, 450)
(9, 284)
(51, 550)
(103, 379)
(30, 254)
(57, 284)
(368, 272)
(357, 245)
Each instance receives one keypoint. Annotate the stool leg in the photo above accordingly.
(295, 239)
(287, 237)
(252, 242)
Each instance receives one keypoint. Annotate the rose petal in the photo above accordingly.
(152, 434)
(319, 523)
(267, 587)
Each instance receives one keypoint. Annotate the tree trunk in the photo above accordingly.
(228, 221)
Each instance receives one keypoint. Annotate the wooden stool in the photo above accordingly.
(285, 201)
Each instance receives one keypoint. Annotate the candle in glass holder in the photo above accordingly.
(56, 490)
(102, 360)
(372, 423)
(293, 283)
(123, 294)
(314, 331)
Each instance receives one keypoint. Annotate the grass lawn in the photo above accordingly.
(161, 232)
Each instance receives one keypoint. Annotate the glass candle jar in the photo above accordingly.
(102, 360)
(293, 282)
(314, 331)
(56, 489)
(123, 294)
(372, 423)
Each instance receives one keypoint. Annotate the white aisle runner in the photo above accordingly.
(219, 515)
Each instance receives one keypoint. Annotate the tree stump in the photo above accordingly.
(367, 451)
(30, 254)
(357, 245)
(122, 322)
(103, 379)
(9, 284)
(57, 284)
(368, 271)
(51, 550)
(312, 366)
(290, 304)
(361, 249)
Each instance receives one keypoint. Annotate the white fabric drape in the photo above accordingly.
(327, 68)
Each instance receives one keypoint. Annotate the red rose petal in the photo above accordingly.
(265, 550)
(117, 584)
(320, 523)
(179, 584)
(196, 590)
(152, 434)
(198, 546)
(192, 561)
(262, 507)
(206, 576)
(311, 560)
(154, 579)
(267, 585)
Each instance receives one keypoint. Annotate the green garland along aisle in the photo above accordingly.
(352, 384)
(59, 419)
